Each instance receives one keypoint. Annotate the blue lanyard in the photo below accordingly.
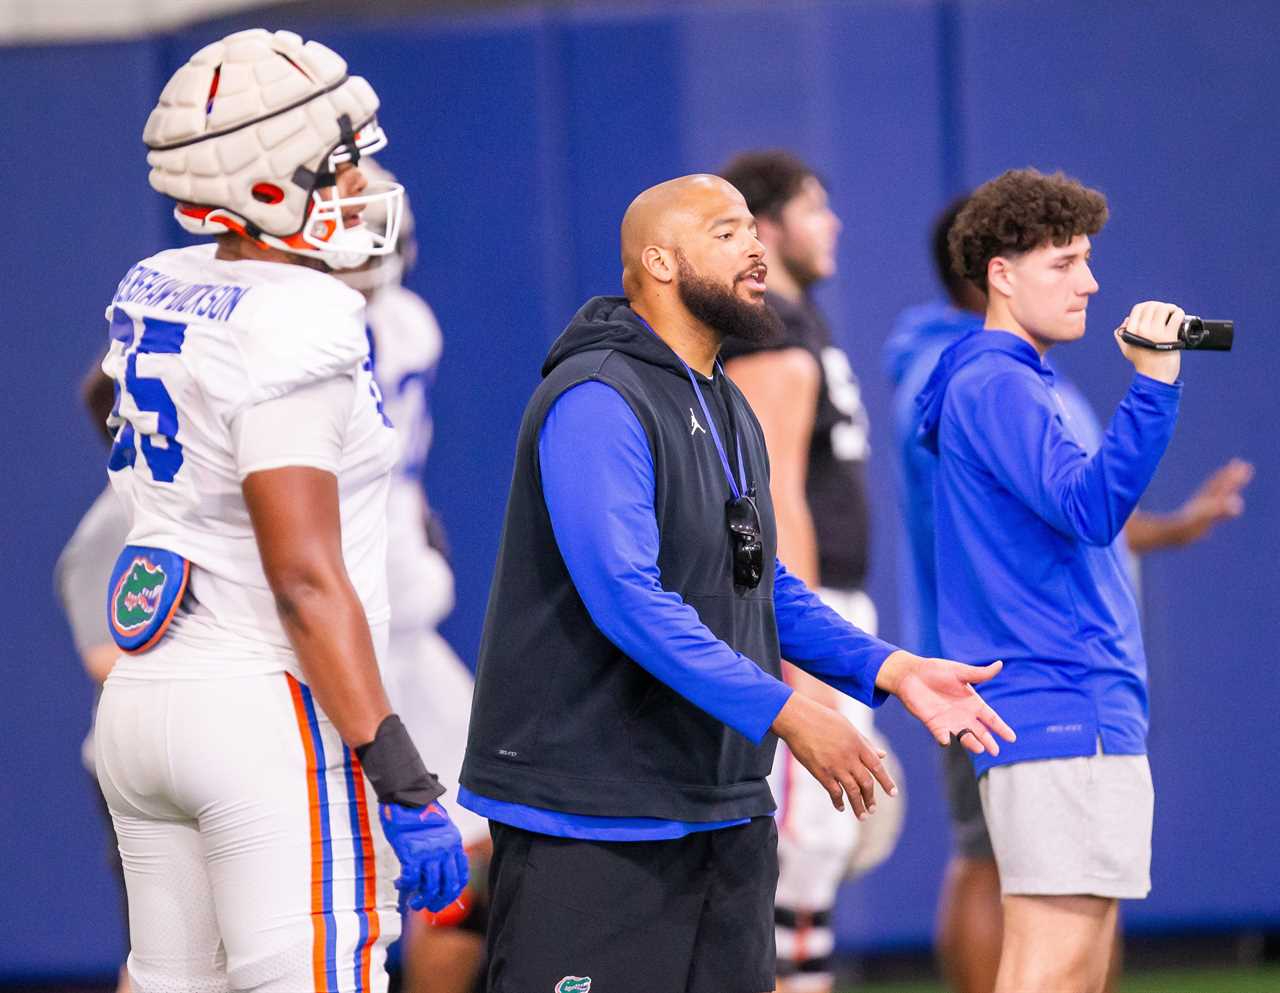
(711, 424)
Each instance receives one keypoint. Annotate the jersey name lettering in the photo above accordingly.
(209, 301)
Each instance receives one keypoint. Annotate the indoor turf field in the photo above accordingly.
(1231, 980)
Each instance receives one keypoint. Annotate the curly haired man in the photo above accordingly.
(1026, 523)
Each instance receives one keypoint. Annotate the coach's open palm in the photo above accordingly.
(940, 694)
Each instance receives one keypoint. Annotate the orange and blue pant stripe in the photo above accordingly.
(365, 874)
(324, 960)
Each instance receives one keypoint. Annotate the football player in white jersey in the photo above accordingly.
(428, 685)
(245, 737)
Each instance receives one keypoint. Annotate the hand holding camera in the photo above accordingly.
(1192, 334)
(1157, 323)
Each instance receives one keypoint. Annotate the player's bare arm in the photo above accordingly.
(297, 525)
(296, 521)
(99, 660)
(1219, 498)
(782, 387)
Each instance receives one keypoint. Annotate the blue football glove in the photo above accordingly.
(433, 866)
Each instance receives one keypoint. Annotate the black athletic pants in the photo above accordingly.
(690, 915)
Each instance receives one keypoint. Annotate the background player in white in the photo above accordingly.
(428, 685)
(82, 571)
(253, 457)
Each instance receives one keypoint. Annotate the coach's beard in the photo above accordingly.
(720, 309)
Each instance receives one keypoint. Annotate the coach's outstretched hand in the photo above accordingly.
(834, 752)
(433, 865)
(940, 694)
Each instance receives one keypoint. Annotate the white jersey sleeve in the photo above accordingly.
(201, 350)
(304, 428)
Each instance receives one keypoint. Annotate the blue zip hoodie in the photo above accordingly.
(1025, 521)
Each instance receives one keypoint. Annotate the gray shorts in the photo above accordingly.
(1072, 826)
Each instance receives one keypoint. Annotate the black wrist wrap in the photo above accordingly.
(394, 767)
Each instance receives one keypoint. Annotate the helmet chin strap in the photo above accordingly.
(347, 134)
(349, 248)
(388, 271)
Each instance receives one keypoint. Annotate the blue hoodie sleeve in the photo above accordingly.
(598, 484)
(824, 644)
(1011, 426)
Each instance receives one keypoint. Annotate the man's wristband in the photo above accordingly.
(392, 764)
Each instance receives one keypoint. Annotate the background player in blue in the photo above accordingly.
(629, 674)
(969, 912)
(801, 386)
(245, 739)
(427, 684)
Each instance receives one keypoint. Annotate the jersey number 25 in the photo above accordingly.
(142, 401)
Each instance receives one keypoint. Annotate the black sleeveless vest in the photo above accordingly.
(562, 719)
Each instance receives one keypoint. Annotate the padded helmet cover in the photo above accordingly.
(256, 107)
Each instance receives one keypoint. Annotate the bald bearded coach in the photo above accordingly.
(628, 695)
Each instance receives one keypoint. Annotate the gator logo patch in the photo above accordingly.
(574, 984)
(136, 598)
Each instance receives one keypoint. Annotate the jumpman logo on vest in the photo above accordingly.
(694, 426)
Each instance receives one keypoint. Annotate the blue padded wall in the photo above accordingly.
(77, 218)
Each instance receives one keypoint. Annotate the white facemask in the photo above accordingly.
(344, 247)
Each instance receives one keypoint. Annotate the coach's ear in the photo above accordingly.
(659, 263)
(1000, 276)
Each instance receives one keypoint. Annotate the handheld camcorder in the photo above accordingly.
(1194, 333)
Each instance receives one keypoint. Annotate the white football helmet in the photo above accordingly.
(248, 137)
(384, 270)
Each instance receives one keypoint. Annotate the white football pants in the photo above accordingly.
(815, 841)
(252, 854)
